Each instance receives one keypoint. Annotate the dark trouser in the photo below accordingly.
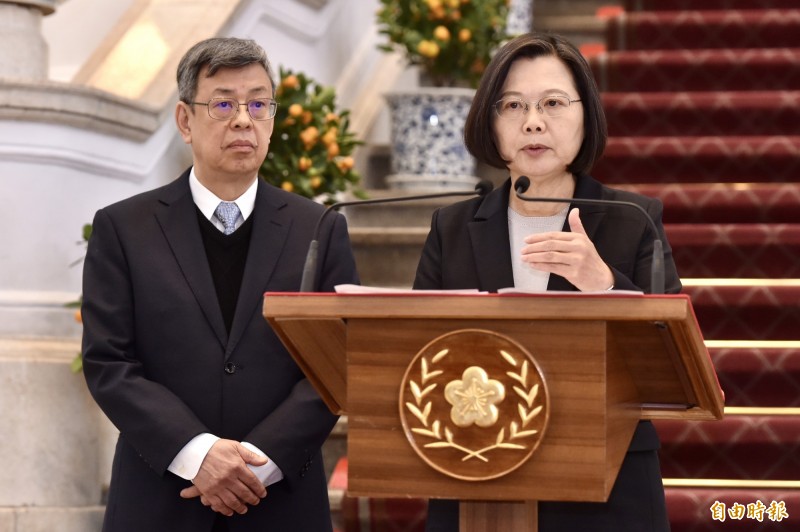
(636, 504)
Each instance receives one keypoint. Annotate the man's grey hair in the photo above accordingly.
(216, 53)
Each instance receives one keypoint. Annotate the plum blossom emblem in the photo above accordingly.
(474, 398)
(451, 408)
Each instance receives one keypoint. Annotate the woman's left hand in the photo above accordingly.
(570, 255)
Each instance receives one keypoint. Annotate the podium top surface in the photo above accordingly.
(418, 304)
(658, 334)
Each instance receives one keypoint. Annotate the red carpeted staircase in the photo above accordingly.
(703, 102)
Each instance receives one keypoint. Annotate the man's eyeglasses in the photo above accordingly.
(228, 108)
(513, 107)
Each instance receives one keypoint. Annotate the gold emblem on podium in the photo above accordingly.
(474, 404)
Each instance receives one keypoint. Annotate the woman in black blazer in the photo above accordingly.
(537, 113)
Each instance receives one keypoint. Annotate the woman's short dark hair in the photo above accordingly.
(478, 131)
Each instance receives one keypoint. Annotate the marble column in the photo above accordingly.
(23, 54)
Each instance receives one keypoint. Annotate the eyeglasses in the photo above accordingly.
(512, 107)
(228, 108)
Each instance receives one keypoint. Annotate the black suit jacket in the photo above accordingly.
(468, 247)
(155, 351)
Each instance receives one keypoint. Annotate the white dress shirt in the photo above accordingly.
(208, 202)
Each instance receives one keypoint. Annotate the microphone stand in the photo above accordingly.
(308, 281)
(657, 265)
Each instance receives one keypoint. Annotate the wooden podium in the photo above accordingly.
(604, 362)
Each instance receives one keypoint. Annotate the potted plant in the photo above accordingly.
(451, 41)
(312, 145)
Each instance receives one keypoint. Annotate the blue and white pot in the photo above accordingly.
(428, 151)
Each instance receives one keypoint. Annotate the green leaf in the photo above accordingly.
(77, 364)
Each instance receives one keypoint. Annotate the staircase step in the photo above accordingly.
(579, 29)
(689, 509)
(761, 375)
(746, 309)
(725, 202)
(387, 256)
(683, 203)
(699, 159)
(412, 213)
(720, 29)
(722, 113)
(738, 447)
(769, 251)
(698, 70)
(373, 513)
(384, 515)
(705, 5)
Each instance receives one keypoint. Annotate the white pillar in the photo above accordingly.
(23, 54)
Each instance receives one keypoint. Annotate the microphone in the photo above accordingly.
(309, 281)
(656, 267)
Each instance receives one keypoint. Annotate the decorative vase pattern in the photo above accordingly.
(427, 127)
(520, 17)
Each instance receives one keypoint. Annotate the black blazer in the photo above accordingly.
(468, 247)
(155, 350)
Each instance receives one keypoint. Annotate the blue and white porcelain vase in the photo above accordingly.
(427, 127)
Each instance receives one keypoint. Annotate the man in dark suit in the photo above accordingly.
(219, 429)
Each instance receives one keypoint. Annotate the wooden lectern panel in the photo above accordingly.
(592, 418)
(328, 370)
(657, 335)
(607, 360)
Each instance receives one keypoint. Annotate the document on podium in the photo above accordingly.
(383, 290)
(611, 293)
